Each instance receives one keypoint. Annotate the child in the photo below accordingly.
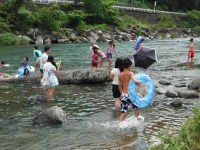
(36, 57)
(94, 63)
(110, 49)
(124, 79)
(114, 76)
(50, 69)
(26, 72)
(191, 51)
(25, 63)
(101, 54)
(2, 63)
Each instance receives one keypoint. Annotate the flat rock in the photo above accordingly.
(3, 87)
(36, 98)
(180, 85)
(195, 84)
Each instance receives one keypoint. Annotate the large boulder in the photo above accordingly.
(188, 94)
(94, 35)
(126, 37)
(195, 84)
(39, 40)
(171, 94)
(91, 39)
(118, 31)
(51, 116)
(107, 36)
(160, 91)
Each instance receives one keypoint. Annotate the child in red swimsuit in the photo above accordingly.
(94, 62)
(191, 50)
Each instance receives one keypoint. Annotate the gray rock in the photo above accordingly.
(73, 36)
(107, 36)
(168, 36)
(94, 35)
(180, 85)
(91, 39)
(102, 39)
(171, 94)
(118, 37)
(160, 91)
(83, 39)
(188, 94)
(51, 116)
(100, 33)
(3, 87)
(176, 102)
(195, 84)
(127, 37)
(63, 40)
(39, 40)
(164, 82)
(36, 98)
(118, 31)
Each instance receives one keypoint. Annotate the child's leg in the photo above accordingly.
(143, 90)
(122, 116)
(109, 63)
(117, 104)
(101, 63)
(51, 93)
(137, 113)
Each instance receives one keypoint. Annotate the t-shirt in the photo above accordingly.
(24, 64)
(115, 72)
(36, 53)
(43, 60)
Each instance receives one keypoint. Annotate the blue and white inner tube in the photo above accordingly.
(21, 71)
(145, 101)
(137, 43)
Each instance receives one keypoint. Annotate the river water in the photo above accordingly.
(93, 124)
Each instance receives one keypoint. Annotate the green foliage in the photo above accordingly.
(197, 29)
(4, 27)
(188, 137)
(11, 39)
(166, 21)
(193, 18)
(51, 18)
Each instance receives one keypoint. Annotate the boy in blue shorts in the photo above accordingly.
(124, 79)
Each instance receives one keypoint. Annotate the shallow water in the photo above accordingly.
(93, 124)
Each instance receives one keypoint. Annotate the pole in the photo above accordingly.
(154, 6)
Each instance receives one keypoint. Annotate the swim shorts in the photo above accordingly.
(94, 64)
(37, 62)
(190, 54)
(109, 55)
(125, 102)
(115, 90)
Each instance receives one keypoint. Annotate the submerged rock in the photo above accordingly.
(188, 94)
(3, 87)
(195, 84)
(171, 94)
(36, 98)
(176, 102)
(164, 82)
(51, 116)
(160, 91)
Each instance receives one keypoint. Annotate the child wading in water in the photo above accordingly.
(124, 79)
(94, 63)
(110, 50)
(25, 63)
(101, 54)
(49, 79)
(115, 85)
(191, 51)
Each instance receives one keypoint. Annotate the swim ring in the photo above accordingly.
(30, 68)
(145, 101)
(137, 43)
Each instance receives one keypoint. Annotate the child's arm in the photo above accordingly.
(134, 79)
(115, 52)
(120, 84)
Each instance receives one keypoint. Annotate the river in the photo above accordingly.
(93, 124)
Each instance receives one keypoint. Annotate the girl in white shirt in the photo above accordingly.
(114, 76)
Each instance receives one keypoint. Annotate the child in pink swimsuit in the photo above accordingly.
(101, 54)
(110, 50)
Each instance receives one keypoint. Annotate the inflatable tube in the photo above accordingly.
(145, 101)
(19, 75)
(137, 43)
(30, 68)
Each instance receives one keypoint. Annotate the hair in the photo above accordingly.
(51, 60)
(2, 62)
(113, 45)
(94, 50)
(95, 47)
(26, 58)
(35, 47)
(25, 74)
(110, 42)
(142, 40)
(191, 40)
(126, 63)
(46, 48)
(119, 64)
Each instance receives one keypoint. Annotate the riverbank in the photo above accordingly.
(37, 36)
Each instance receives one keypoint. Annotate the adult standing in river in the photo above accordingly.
(36, 57)
(191, 51)
(44, 58)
